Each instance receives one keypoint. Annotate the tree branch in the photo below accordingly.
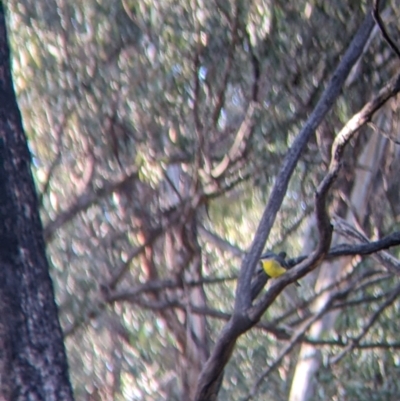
(243, 296)
(241, 321)
(83, 202)
(298, 335)
(378, 19)
(354, 342)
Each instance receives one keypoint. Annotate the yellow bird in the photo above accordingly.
(274, 265)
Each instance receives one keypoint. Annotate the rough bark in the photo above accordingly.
(32, 358)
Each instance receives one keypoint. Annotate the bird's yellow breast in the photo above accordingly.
(272, 268)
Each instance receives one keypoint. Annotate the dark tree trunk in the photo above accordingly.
(32, 356)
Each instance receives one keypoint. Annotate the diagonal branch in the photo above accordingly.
(296, 338)
(211, 376)
(238, 145)
(243, 296)
(300, 333)
(324, 227)
(378, 19)
(367, 248)
(83, 202)
(355, 341)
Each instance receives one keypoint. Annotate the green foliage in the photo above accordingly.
(116, 98)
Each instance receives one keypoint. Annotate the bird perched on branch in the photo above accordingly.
(274, 264)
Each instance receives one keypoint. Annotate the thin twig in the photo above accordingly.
(378, 19)
(296, 338)
(355, 341)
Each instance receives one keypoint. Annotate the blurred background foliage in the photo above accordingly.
(131, 108)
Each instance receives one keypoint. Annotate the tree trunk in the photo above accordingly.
(310, 357)
(184, 259)
(32, 359)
